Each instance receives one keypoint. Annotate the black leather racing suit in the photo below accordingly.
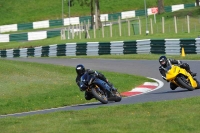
(88, 95)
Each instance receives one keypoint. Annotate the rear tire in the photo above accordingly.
(182, 81)
(99, 95)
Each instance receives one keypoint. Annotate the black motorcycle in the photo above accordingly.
(99, 89)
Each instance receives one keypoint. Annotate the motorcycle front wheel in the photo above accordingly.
(99, 95)
(184, 83)
(198, 84)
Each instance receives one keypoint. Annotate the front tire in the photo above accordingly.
(198, 83)
(184, 83)
(99, 95)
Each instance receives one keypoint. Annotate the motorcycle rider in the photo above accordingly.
(80, 70)
(164, 62)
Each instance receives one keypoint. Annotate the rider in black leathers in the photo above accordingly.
(164, 62)
(80, 70)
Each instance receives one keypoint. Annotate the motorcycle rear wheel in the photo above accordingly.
(99, 95)
(184, 83)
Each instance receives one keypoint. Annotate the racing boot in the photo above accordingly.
(187, 68)
(173, 86)
(112, 87)
(193, 74)
(88, 96)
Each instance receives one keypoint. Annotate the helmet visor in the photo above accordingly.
(80, 70)
(162, 61)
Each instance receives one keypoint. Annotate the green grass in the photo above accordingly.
(33, 86)
(177, 116)
(21, 11)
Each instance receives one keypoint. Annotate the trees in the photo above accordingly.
(197, 2)
(92, 4)
(161, 6)
(97, 15)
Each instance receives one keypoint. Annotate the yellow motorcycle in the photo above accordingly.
(181, 78)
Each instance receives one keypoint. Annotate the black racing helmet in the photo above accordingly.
(80, 69)
(163, 60)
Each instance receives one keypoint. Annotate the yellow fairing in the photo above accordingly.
(173, 73)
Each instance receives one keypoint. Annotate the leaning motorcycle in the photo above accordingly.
(100, 90)
(181, 78)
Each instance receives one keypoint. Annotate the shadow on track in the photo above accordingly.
(93, 104)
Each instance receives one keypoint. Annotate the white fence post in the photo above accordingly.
(72, 31)
(151, 25)
(140, 27)
(102, 31)
(120, 28)
(188, 23)
(94, 29)
(110, 29)
(175, 24)
(80, 31)
(129, 32)
(62, 31)
(163, 25)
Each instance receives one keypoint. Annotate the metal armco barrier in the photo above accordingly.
(79, 20)
(29, 36)
(147, 46)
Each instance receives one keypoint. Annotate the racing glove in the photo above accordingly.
(165, 78)
(179, 62)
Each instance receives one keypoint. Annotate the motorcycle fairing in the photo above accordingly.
(174, 71)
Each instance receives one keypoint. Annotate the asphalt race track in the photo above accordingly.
(147, 68)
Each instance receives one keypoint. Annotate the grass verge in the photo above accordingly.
(177, 116)
(33, 86)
